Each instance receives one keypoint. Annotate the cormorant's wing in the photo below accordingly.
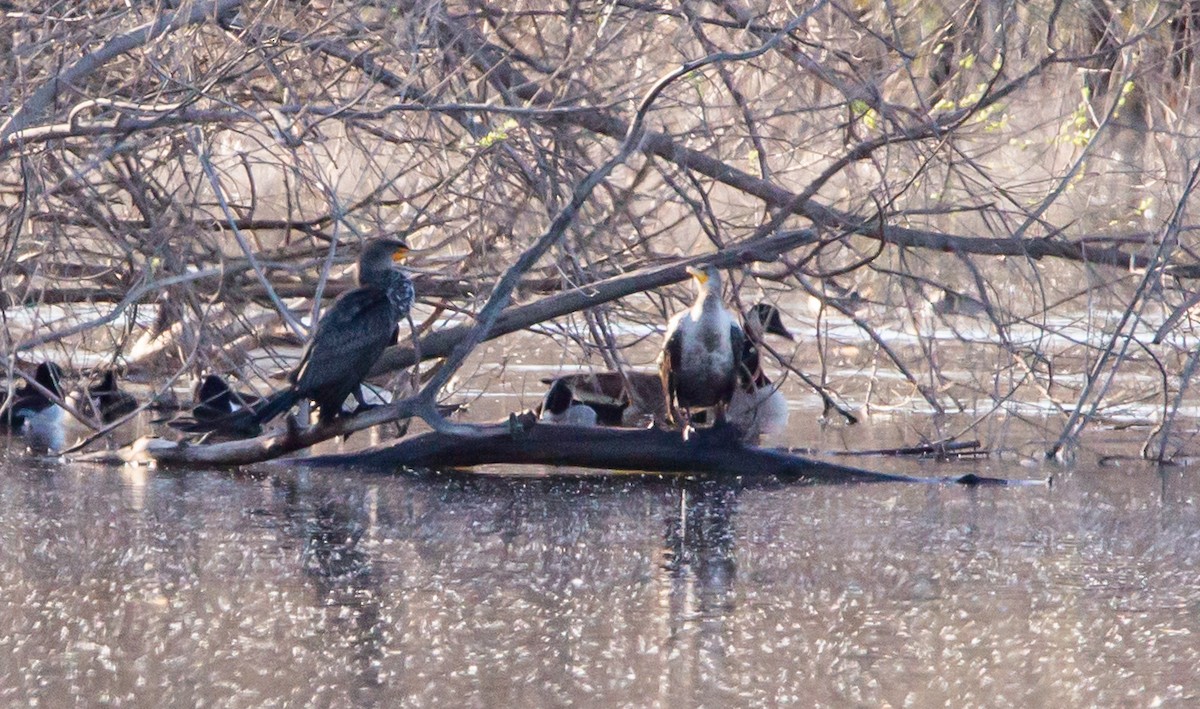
(348, 339)
(668, 364)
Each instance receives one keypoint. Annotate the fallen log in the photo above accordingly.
(523, 441)
(151, 449)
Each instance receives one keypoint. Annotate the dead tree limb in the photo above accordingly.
(42, 99)
(492, 61)
(628, 449)
(498, 301)
(440, 343)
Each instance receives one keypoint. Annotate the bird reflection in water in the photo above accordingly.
(698, 549)
(698, 552)
(331, 552)
(345, 580)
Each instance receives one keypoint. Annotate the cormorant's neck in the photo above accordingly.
(378, 276)
(708, 300)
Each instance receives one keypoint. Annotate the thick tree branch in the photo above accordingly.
(649, 450)
(442, 342)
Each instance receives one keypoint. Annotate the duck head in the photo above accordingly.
(764, 318)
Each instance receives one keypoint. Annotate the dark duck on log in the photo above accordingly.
(349, 337)
(700, 359)
(212, 412)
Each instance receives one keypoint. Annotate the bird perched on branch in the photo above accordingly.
(700, 359)
(629, 398)
(349, 337)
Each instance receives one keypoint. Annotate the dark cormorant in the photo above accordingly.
(349, 337)
(700, 360)
(109, 401)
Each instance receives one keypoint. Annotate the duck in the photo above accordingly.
(559, 407)
(214, 402)
(109, 401)
(633, 398)
(758, 407)
(630, 398)
(952, 302)
(40, 419)
(700, 359)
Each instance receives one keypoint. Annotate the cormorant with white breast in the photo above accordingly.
(349, 337)
(700, 360)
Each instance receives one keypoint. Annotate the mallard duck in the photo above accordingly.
(757, 406)
(619, 398)
(559, 407)
(109, 401)
(700, 359)
(34, 415)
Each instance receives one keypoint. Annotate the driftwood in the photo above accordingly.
(523, 441)
(159, 451)
(942, 450)
(711, 453)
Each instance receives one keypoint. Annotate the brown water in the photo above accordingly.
(339, 588)
(304, 587)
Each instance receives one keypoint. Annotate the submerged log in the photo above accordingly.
(524, 442)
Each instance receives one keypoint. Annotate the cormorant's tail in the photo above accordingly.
(273, 405)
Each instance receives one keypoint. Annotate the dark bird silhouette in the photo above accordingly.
(349, 337)
(213, 408)
(109, 401)
(26, 398)
(36, 416)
